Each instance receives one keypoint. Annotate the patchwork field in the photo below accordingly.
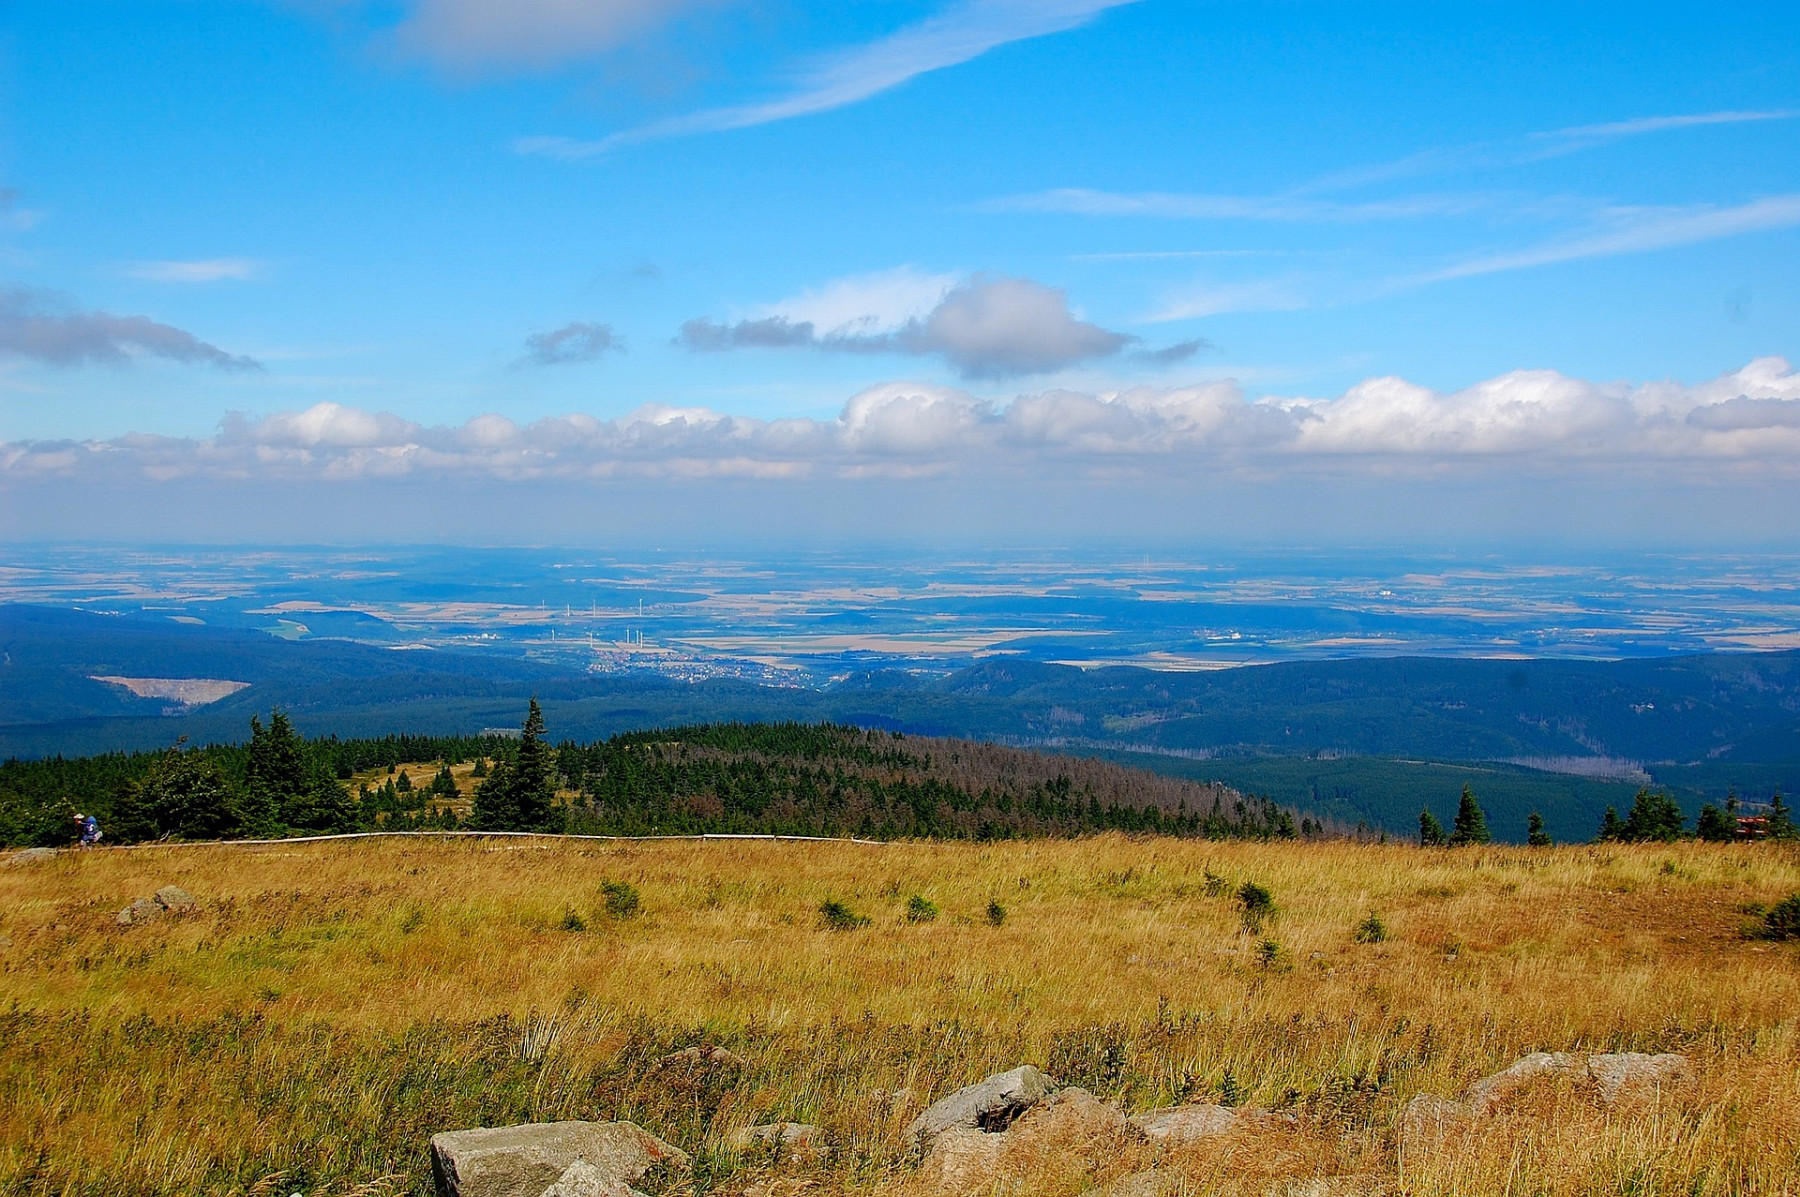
(324, 1008)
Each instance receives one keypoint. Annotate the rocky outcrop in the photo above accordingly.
(987, 1106)
(1070, 1121)
(525, 1161)
(30, 856)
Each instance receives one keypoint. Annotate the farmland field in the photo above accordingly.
(325, 1007)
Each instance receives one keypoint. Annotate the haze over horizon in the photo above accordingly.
(965, 272)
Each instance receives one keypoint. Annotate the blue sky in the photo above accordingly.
(329, 244)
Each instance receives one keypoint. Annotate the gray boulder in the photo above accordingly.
(30, 856)
(1174, 1125)
(1491, 1091)
(173, 897)
(582, 1179)
(523, 1161)
(1617, 1075)
(140, 911)
(989, 1105)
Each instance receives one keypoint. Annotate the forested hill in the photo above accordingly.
(786, 778)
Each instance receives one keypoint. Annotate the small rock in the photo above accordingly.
(173, 897)
(522, 1161)
(582, 1179)
(702, 1057)
(1175, 1125)
(1622, 1074)
(140, 911)
(795, 1140)
(989, 1105)
(31, 856)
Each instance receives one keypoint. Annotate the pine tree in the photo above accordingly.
(1535, 835)
(1471, 824)
(1610, 827)
(1431, 832)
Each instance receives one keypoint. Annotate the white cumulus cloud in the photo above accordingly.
(1525, 421)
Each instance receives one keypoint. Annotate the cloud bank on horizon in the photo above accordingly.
(1097, 239)
(1746, 423)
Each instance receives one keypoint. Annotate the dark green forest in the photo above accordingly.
(775, 778)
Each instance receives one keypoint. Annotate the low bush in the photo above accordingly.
(920, 909)
(1371, 929)
(835, 916)
(620, 899)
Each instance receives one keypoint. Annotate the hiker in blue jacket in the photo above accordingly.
(89, 829)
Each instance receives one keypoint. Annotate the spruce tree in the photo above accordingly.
(1714, 825)
(277, 781)
(1535, 835)
(1431, 832)
(534, 778)
(1611, 829)
(188, 797)
(1471, 824)
(1780, 822)
(1654, 817)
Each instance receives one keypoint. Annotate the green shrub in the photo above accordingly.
(1270, 954)
(996, 913)
(1371, 929)
(1782, 920)
(1215, 885)
(1257, 905)
(619, 899)
(835, 916)
(920, 909)
(571, 921)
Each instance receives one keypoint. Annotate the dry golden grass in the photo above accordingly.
(329, 1005)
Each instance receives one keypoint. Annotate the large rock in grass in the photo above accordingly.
(582, 1179)
(1175, 1125)
(30, 856)
(173, 897)
(989, 1105)
(1618, 1075)
(524, 1161)
(140, 911)
(1072, 1117)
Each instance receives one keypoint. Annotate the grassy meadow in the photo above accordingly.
(326, 1007)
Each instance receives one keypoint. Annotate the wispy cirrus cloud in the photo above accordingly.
(44, 327)
(1637, 232)
(1580, 137)
(960, 33)
(205, 270)
(1289, 208)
